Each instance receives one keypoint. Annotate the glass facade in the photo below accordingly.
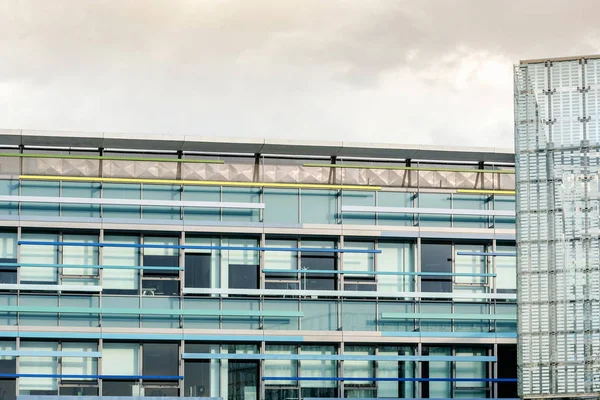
(130, 273)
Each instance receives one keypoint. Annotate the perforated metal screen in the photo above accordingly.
(557, 143)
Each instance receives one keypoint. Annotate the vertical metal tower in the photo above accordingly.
(557, 144)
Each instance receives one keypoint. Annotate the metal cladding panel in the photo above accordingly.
(10, 166)
(59, 166)
(557, 143)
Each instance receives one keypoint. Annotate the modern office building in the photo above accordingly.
(256, 269)
(557, 114)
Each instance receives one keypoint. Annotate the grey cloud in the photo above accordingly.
(427, 71)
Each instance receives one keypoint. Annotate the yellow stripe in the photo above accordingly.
(196, 183)
(483, 191)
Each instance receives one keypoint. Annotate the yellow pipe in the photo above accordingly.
(484, 191)
(195, 183)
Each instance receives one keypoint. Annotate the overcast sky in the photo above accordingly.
(393, 71)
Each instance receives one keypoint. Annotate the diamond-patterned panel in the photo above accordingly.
(217, 172)
(75, 167)
(355, 177)
(313, 175)
(241, 172)
(42, 166)
(119, 169)
(506, 181)
(378, 177)
(194, 171)
(436, 179)
(10, 166)
(470, 180)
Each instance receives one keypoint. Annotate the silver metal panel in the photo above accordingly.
(132, 202)
(166, 142)
(51, 288)
(75, 167)
(469, 180)
(378, 177)
(437, 211)
(42, 166)
(194, 171)
(61, 138)
(118, 169)
(436, 179)
(217, 172)
(312, 175)
(354, 177)
(10, 166)
(402, 178)
(242, 172)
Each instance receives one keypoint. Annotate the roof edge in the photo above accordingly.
(568, 58)
(253, 145)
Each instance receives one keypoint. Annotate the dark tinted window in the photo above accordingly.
(78, 391)
(197, 270)
(161, 261)
(282, 285)
(197, 378)
(243, 379)
(360, 287)
(8, 274)
(117, 388)
(8, 389)
(8, 366)
(320, 262)
(160, 359)
(436, 257)
(161, 391)
(507, 368)
(156, 287)
(243, 276)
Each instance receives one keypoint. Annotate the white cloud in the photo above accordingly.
(391, 71)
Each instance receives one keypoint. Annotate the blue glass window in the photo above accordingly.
(319, 206)
(282, 206)
(202, 193)
(470, 202)
(241, 195)
(121, 191)
(36, 188)
(161, 192)
(358, 198)
(9, 188)
(395, 199)
(81, 190)
(435, 200)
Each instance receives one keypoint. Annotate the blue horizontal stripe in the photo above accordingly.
(195, 247)
(323, 378)
(331, 357)
(114, 377)
(492, 254)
